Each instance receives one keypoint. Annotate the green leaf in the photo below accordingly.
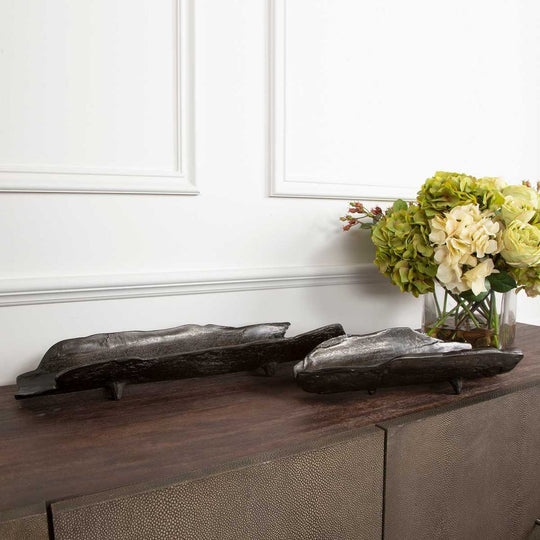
(400, 204)
(469, 296)
(366, 226)
(502, 282)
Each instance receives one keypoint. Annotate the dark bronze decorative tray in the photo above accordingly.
(114, 359)
(397, 356)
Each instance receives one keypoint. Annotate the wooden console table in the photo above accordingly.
(241, 456)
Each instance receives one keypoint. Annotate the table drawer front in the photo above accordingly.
(326, 493)
(33, 527)
(471, 473)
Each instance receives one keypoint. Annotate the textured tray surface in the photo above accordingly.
(60, 446)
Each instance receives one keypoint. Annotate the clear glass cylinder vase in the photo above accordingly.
(483, 322)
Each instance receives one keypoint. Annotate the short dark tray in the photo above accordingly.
(413, 369)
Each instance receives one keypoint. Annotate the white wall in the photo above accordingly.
(75, 264)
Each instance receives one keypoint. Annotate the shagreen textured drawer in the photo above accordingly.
(330, 492)
(470, 472)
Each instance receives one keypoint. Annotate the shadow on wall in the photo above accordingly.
(357, 246)
(376, 302)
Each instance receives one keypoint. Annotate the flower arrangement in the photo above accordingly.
(472, 236)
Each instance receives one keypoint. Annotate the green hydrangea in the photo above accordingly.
(527, 279)
(403, 250)
(489, 193)
(447, 190)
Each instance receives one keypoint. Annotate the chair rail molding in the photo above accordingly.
(140, 179)
(49, 290)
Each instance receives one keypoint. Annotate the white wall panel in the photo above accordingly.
(367, 99)
(255, 258)
(96, 96)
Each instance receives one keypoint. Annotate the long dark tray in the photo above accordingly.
(413, 369)
(114, 373)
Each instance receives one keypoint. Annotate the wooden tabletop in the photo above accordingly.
(60, 446)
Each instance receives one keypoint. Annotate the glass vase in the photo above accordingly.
(483, 322)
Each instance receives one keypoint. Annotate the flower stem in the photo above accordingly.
(495, 322)
(441, 321)
(475, 306)
(445, 300)
(466, 308)
(437, 305)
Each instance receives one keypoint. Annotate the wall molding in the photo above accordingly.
(280, 183)
(50, 290)
(177, 181)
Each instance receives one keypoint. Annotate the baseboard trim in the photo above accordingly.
(48, 290)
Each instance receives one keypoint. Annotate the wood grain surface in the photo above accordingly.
(56, 447)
